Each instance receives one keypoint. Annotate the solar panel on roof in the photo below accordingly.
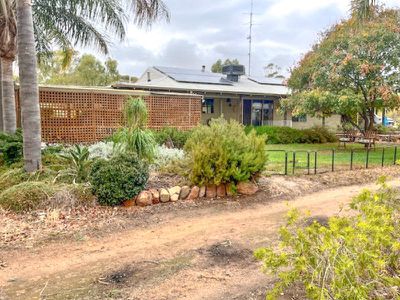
(266, 80)
(193, 76)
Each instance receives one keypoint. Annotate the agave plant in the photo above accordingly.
(78, 161)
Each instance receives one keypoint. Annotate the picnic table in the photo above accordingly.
(368, 139)
(390, 138)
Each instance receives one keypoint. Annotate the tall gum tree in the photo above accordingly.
(355, 68)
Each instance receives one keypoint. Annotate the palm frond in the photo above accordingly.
(66, 23)
(146, 12)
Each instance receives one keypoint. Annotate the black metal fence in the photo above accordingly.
(286, 162)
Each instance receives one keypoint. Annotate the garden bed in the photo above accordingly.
(84, 222)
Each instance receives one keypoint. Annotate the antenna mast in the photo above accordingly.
(250, 37)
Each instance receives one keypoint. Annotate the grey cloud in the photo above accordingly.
(203, 31)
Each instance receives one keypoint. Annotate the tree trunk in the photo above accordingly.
(8, 96)
(29, 90)
(323, 121)
(371, 126)
(1, 100)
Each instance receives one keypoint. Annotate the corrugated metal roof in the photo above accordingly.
(161, 81)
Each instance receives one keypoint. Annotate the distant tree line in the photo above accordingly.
(85, 70)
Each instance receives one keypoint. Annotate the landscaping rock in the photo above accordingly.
(129, 203)
(156, 196)
(202, 192)
(211, 191)
(185, 191)
(174, 197)
(194, 193)
(145, 198)
(164, 196)
(247, 188)
(175, 192)
(221, 191)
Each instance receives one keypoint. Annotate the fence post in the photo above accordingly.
(351, 159)
(315, 162)
(395, 155)
(367, 160)
(308, 162)
(333, 160)
(286, 163)
(294, 162)
(383, 156)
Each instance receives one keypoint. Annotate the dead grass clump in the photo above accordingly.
(26, 196)
(17, 175)
(72, 195)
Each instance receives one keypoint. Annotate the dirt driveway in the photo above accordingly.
(201, 254)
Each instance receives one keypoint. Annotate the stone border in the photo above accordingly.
(176, 193)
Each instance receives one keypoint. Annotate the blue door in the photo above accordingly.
(258, 112)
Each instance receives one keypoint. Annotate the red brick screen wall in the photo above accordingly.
(88, 115)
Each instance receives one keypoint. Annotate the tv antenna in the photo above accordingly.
(250, 37)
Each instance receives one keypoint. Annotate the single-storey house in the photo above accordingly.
(247, 99)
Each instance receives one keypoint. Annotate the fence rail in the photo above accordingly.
(309, 162)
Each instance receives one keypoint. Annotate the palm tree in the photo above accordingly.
(67, 23)
(64, 23)
(363, 9)
(1, 101)
(29, 89)
(8, 49)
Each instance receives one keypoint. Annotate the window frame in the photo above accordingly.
(208, 106)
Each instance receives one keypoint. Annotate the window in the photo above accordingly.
(208, 106)
(300, 118)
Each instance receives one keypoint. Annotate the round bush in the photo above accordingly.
(118, 179)
(26, 196)
(224, 153)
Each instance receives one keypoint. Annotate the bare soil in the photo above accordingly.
(188, 250)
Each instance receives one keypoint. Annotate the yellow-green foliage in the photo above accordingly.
(16, 176)
(10, 178)
(26, 196)
(223, 152)
(354, 257)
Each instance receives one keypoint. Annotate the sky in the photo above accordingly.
(202, 31)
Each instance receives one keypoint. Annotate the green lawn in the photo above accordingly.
(342, 157)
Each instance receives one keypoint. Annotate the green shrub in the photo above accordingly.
(53, 149)
(11, 147)
(54, 161)
(78, 164)
(222, 153)
(171, 135)
(288, 135)
(118, 179)
(26, 196)
(355, 257)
